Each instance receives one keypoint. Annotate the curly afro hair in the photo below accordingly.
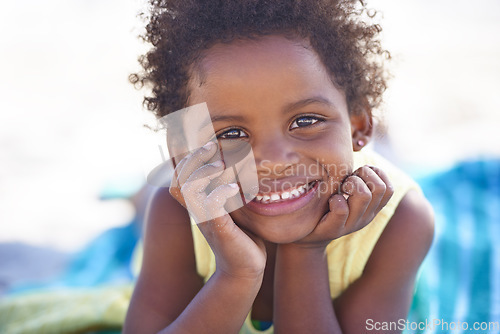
(338, 30)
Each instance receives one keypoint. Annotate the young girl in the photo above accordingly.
(330, 249)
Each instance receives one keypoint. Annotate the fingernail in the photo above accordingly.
(233, 185)
(347, 188)
(208, 145)
(217, 163)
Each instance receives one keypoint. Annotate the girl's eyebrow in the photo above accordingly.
(305, 102)
(219, 118)
(287, 109)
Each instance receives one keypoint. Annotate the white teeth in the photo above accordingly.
(294, 193)
(275, 197)
(285, 195)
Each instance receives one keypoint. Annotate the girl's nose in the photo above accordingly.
(274, 154)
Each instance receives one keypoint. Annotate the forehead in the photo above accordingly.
(265, 73)
(260, 52)
(246, 59)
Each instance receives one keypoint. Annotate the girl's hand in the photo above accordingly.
(365, 193)
(204, 189)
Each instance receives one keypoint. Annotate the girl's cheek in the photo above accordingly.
(339, 157)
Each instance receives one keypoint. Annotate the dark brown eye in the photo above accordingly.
(303, 122)
(232, 134)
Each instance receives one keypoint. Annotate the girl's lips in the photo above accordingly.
(283, 207)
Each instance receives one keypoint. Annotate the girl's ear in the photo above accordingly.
(361, 128)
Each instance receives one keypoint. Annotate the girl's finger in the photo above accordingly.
(207, 208)
(389, 189)
(199, 180)
(375, 185)
(359, 199)
(218, 197)
(195, 161)
(195, 197)
(226, 177)
(207, 172)
(333, 222)
(175, 186)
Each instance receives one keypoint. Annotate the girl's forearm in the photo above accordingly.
(302, 302)
(221, 306)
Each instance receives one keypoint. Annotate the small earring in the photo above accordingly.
(360, 143)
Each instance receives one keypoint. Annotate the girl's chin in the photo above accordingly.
(283, 229)
(288, 239)
(280, 231)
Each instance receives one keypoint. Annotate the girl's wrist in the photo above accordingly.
(245, 280)
(303, 250)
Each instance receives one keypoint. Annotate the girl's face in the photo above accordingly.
(276, 94)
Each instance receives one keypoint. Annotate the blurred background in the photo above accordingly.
(71, 126)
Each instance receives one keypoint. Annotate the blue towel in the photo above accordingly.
(459, 285)
(105, 260)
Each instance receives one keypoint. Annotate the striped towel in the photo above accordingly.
(459, 281)
(81, 310)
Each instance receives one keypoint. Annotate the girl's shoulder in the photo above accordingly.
(408, 210)
(167, 248)
(167, 225)
(410, 220)
(406, 238)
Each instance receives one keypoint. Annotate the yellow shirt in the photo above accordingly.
(347, 256)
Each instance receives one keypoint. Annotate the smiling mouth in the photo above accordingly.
(286, 195)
